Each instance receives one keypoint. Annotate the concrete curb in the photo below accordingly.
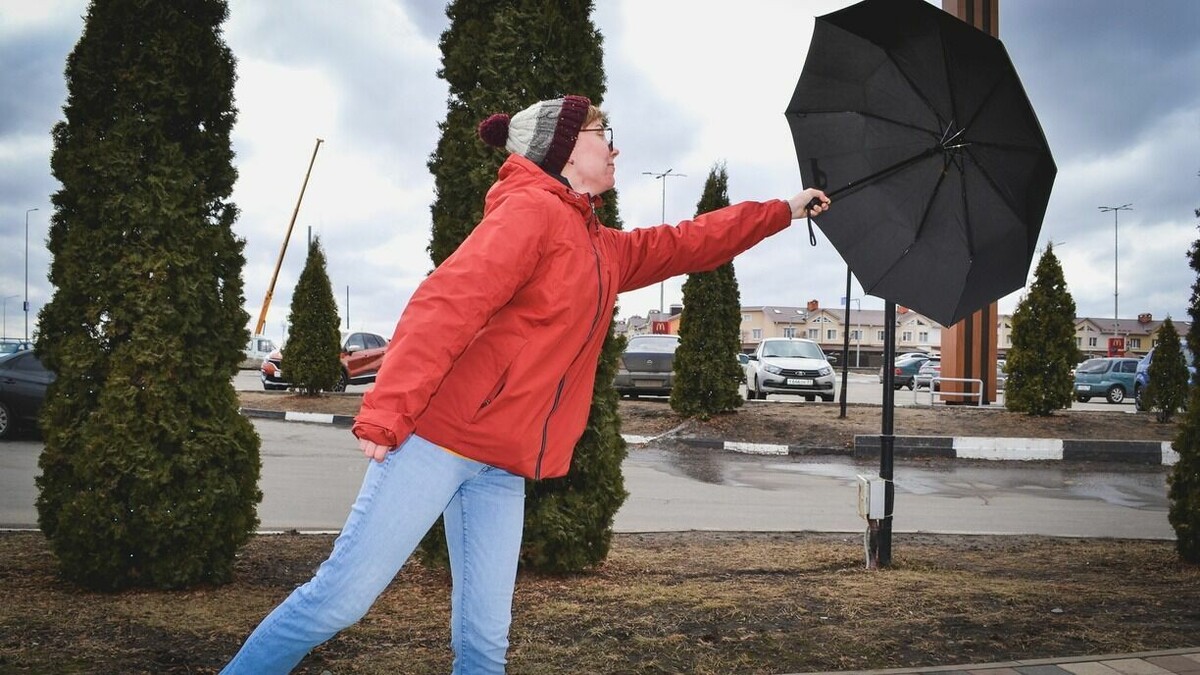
(865, 446)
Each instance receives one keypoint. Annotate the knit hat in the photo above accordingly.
(544, 133)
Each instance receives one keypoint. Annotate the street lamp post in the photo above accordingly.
(663, 177)
(27, 212)
(1116, 210)
(4, 330)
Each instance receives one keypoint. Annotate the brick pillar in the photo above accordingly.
(969, 346)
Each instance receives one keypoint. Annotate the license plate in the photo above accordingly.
(1083, 387)
(798, 382)
(649, 384)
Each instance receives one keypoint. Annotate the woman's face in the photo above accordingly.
(591, 167)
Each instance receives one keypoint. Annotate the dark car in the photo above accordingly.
(904, 370)
(361, 356)
(1110, 377)
(647, 366)
(23, 382)
(1142, 378)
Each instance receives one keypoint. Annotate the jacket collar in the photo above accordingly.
(519, 172)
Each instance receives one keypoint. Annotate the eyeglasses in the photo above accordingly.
(607, 131)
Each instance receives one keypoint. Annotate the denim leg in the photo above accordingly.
(399, 501)
(484, 522)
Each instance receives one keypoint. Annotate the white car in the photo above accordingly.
(789, 366)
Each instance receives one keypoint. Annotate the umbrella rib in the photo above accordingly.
(861, 182)
(880, 118)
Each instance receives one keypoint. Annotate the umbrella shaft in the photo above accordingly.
(862, 182)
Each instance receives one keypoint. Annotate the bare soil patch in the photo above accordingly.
(704, 603)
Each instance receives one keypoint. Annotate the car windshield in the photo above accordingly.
(788, 349)
(1093, 366)
(662, 345)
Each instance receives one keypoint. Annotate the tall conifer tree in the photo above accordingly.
(149, 475)
(1184, 482)
(502, 56)
(1167, 386)
(707, 373)
(1043, 349)
(310, 358)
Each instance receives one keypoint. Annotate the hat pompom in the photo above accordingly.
(494, 130)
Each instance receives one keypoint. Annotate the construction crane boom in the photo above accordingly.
(262, 317)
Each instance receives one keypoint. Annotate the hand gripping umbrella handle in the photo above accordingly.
(861, 182)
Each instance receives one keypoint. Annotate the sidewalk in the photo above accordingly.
(1179, 661)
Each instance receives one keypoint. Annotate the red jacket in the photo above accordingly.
(495, 355)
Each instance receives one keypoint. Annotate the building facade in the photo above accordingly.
(828, 327)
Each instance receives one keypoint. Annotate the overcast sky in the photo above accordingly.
(1115, 83)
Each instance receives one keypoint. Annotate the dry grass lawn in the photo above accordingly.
(704, 603)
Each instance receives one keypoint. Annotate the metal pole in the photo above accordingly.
(27, 212)
(1116, 212)
(881, 537)
(347, 306)
(845, 348)
(662, 285)
(262, 317)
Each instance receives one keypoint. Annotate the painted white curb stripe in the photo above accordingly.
(1170, 457)
(1023, 449)
(320, 418)
(756, 448)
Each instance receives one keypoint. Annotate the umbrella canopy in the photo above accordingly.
(919, 123)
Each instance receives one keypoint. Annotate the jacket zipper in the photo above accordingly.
(537, 471)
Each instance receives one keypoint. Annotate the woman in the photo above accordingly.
(488, 380)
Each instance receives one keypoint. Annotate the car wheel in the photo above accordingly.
(810, 399)
(342, 381)
(6, 421)
(1116, 394)
(759, 394)
(827, 399)
(1083, 399)
(1138, 402)
(910, 386)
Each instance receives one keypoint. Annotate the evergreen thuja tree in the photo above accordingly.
(502, 56)
(1043, 349)
(1184, 482)
(707, 373)
(1167, 386)
(310, 358)
(149, 473)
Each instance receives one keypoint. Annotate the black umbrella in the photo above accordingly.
(919, 122)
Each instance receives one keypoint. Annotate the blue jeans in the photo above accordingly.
(400, 499)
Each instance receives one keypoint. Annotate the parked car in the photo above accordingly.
(23, 382)
(361, 356)
(1001, 374)
(257, 349)
(789, 366)
(647, 366)
(930, 369)
(1142, 378)
(904, 370)
(14, 346)
(1110, 377)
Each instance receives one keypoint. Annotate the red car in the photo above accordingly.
(362, 355)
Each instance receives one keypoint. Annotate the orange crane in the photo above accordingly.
(262, 317)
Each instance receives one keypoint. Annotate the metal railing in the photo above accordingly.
(942, 393)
